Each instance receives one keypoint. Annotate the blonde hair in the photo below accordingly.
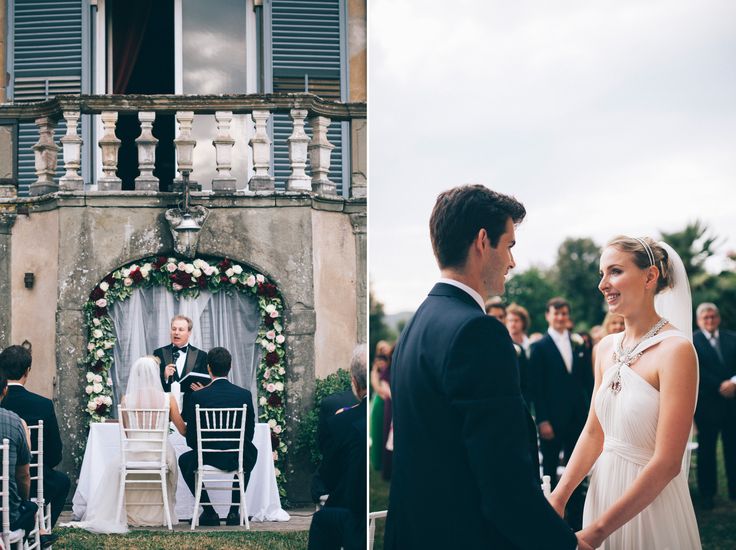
(190, 324)
(642, 259)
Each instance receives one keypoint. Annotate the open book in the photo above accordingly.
(191, 378)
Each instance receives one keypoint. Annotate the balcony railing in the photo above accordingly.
(304, 152)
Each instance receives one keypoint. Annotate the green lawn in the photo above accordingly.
(78, 539)
(716, 526)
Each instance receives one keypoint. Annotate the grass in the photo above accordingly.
(716, 526)
(79, 539)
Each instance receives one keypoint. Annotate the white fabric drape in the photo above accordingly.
(142, 324)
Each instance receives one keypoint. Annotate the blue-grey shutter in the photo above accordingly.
(306, 48)
(47, 61)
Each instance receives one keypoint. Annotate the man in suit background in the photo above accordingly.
(464, 443)
(15, 364)
(342, 522)
(179, 358)
(716, 409)
(562, 373)
(220, 393)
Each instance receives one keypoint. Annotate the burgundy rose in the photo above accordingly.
(96, 294)
(268, 290)
(109, 279)
(182, 278)
(269, 321)
(202, 281)
(100, 312)
(274, 400)
(272, 358)
(160, 262)
(274, 440)
(101, 409)
(224, 264)
(98, 366)
(137, 276)
(224, 278)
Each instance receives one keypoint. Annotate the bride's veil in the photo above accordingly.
(144, 389)
(676, 305)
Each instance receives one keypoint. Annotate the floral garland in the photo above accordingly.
(188, 279)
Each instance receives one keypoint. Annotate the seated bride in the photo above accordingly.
(144, 391)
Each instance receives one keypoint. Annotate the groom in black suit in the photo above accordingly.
(180, 357)
(716, 411)
(563, 376)
(220, 393)
(464, 468)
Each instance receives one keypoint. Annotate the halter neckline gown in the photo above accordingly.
(629, 422)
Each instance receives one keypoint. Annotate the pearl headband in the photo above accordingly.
(648, 250)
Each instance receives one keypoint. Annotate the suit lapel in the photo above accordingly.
(555, 351)
(191, 361)
(168, 355)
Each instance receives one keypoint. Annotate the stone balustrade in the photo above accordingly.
(304, 152)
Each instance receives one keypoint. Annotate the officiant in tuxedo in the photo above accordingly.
(179, 358)
(220, 393)
(465, 472)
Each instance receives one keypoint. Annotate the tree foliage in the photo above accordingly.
(531, 289)
(576, 273)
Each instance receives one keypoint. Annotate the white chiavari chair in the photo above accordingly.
(10, 539)
(372, 517)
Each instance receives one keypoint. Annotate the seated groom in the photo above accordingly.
(220, 393)
(180, 358)
(15, 365)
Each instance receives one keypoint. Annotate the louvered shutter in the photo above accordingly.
(306, 56)
(47, 61)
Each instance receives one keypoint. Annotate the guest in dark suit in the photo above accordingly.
(716, 409)
(342, 522)
(220, 393)
(464, 472)
(563, 378)
(15, 363)
(180, 357)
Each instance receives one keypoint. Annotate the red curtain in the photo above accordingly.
(130, 21)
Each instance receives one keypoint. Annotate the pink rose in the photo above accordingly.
(270, 388)
(101, 302)
(170, 267)
(176, 286)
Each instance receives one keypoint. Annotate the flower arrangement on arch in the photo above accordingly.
(188, 279)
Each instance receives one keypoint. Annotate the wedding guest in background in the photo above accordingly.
(15, 365)
(387, 437)
(597, 332)
(379, 391)
(612, 323)
(563, 378)
(220, 393)
(342, 522)
(716, 407)
(496, 308)
(179, 358)
(517, 322)
(534, 337)
(22, 511)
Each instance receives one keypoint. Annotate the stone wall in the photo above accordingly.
(306, 245)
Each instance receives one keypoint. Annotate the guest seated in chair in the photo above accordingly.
(220, 393)
(15, 364)
(22, 510)
(341, 523)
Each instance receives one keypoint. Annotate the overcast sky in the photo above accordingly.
(602, 117)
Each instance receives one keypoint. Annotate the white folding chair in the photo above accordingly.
(43, 515)
(10, 539)
(143, 441)
(372, 517)
(230, 425)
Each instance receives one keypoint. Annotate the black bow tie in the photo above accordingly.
(181, 350)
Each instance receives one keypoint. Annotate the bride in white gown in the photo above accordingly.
(144, 391)
(640, 420)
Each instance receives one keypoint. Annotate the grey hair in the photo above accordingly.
(705, 306)
(358, 366)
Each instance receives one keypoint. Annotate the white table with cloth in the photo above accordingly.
(261, 495)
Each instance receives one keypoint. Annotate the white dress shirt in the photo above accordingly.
(562, 341)
(462, 286)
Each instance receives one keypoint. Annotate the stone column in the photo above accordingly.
(298, 142)
(109, 144)
(46, 152)
(358, 159)
(7, 219)
(320, 150)
(184, 149)
(72, 147)
(358, 221)
(224, 182)
(261, 145)
(146, 181)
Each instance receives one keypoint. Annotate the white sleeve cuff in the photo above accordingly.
(733, 379)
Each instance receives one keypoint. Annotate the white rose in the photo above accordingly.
(90, 376)
(90, 346)
(237, 269)
(101, 302)
(145, 272)
(181, 266)
(277, 326)
(199, 264)
(270, 388)
(100, 353)
(260, 278)
(197, 273)
(250, 281)
(270, 347)
(277, 472)
(104, 286)
(96, 322)
(97, 378)
(280, 339)
(147, 266)
(264, 342)
(91, 406)
(233, 280)
(189, 268)
(281, 370)
(267, 374)
(125, 272)
(97, 333)
(279, 386)
(272, 423)
(208, 270)
(98, 400)
(133, 267)
(109, 381)
(108, 400)
(262, 401)
(270, 308)
(271, 334)
(97, 388)
(229, 272)
(275, 456)
(277, 429)
(108, 344)
(171, 267)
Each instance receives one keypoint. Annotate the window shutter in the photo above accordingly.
(306, 56)
(47, 61)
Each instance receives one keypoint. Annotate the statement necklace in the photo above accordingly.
(626, 356)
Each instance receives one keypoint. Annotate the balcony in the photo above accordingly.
(309, 155)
